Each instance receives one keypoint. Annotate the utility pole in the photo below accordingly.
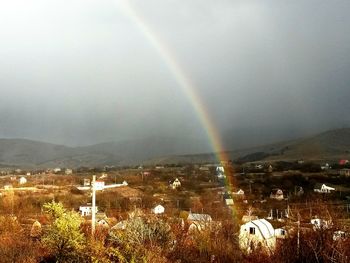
(298, 240)
(93, 213)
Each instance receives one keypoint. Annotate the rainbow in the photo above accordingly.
(181, 78)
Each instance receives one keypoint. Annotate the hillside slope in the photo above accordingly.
(326, 146)
(330, 145)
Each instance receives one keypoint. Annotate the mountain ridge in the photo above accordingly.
(328, 145)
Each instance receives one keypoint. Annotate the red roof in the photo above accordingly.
(342, 162)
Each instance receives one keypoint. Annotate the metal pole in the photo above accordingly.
(93, 212)
(298, 240)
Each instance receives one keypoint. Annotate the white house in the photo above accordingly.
(323, 188)
(220, 169)
(176, 183)
(325, 166)
(229, 201)
(281, 233)
(220, 172)
(277, 194)
(57, 170)
(86, 182)
(257, 235)
(228, 198)
(159, 209)
(87, 210)
(319, 223)
(68, 171)
(22, 180)
(339, 235)
(240, 192)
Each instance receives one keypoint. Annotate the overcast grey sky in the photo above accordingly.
(79, 72)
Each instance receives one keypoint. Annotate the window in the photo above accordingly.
(252, 230)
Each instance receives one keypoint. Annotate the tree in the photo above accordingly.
(144, 239)
(64, 237)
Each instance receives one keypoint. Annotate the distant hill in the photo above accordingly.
(28, 153)
(326, 146)
(330, 145)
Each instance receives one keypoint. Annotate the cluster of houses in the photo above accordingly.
(254, 233)
(259, 234)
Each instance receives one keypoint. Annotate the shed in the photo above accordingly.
(257, 235)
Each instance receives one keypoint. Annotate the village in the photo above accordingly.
(266, 204)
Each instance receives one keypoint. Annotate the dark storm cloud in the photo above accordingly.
(80, 72)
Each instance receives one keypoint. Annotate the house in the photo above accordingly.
(220, 172)
(319, 223)
(159, 209)
(325, 166)
(86, 182)
(57, 170)
(281, 233)
(22, 180)
(240, 192)
(198, 222)
(68, 171)
(343, 162)
(146, 173)
(257, 235)
(339, 235)
(193, 217)
(229, 201)
(323, 188)
(220, 169)
(277, 194)
(228, 198)
(259, 166)
(176, 183)
(87, 210)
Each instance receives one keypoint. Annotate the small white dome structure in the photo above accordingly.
(159, 209)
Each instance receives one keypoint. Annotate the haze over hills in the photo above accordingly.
(330, 145)
(28, 153)
(326, 146)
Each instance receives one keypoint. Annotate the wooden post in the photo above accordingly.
(93, 212)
